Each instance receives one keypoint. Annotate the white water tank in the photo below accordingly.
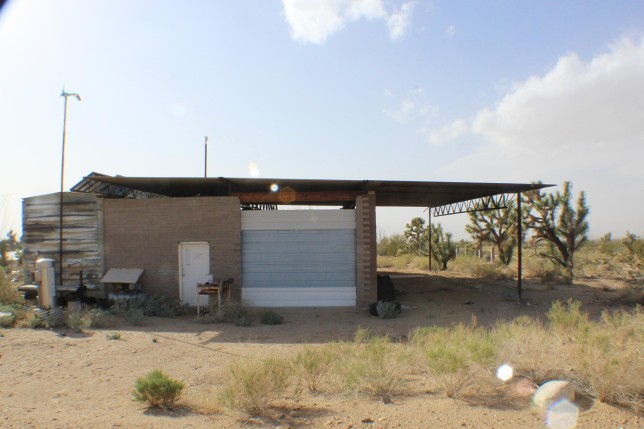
(47, 290)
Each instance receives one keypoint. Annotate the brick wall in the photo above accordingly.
(146, 234)
(367, 288)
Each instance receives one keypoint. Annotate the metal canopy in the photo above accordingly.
(300, 191)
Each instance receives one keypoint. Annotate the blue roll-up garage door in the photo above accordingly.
(298, 258)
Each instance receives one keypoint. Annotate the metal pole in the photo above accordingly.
(429, 228)
(62, 187)
(62, 183)
(520, 244)
(205, 157)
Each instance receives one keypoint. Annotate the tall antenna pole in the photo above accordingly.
(205, 157)
(62, 184)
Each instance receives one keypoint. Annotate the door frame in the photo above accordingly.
(181, 276)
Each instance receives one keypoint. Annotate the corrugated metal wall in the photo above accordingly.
(82, 235)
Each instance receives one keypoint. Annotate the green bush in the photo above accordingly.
(9, 295)
(269, 317)
(253, 384)
(158, 389)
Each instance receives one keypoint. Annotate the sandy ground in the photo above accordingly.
(61, 379)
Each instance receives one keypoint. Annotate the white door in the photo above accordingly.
(194, 266)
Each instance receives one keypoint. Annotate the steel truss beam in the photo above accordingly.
(494, 202)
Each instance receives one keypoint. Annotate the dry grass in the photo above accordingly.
(526, 345)
(373, 365)
(252, 385)
(313, 364)
(452, 356)
(610, 359)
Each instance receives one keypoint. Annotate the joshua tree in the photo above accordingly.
(553, 219)
(498, 227)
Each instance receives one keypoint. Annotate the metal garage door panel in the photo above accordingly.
(274, 259)
(298, 258)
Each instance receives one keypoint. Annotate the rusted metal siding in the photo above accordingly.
(82, 235)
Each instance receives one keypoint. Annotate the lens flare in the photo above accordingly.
(504, 372)
(562, 415)
(287, 195)
(275, 187)
(253, 170)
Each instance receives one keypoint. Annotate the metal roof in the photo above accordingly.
(389, 193)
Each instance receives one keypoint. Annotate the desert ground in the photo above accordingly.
(58, 378)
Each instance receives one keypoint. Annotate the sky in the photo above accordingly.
(494, 91)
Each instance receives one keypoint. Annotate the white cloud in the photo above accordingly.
(449, 132)
(398, 21)
(450, 32)
(579, 121)
(313, 21)
(589, 111)
(412, 108)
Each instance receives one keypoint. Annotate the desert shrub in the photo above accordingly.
(608, 357)
(17, 315)
(374, 366)
(150, 305)
(158, 389)
(269, 317)
(244, 320)
(567, 317)
(161, 306)
(362, 335)
(113, 336)
(386, 261)
(453, 355)
(134, 316)
(252, 384)
(420, 262)
(402, 261)
(9, 295)
(313, 363)
(481, 268)
(7, 321)
(84, 319)
(227, 312)
(524, 344)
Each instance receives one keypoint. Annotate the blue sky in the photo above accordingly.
(511, 91)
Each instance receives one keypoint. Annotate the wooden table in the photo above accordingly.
(212, 288)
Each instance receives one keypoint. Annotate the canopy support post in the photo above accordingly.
(520, 245)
